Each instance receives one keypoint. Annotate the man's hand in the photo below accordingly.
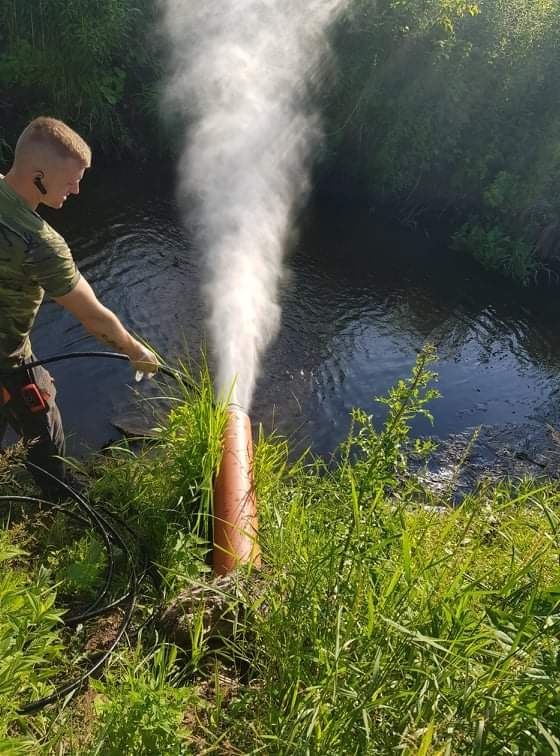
(143, 360)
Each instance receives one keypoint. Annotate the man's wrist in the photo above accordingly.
(136, 350)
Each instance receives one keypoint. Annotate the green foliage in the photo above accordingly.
(384, 619)
(86, 63)
(140, 709)
(382, 456)
(80, 566)
(503, 192)
(436, 104)
(167, 496)
(497, 251)
(29, 641)
(439, 105)
(395, 626)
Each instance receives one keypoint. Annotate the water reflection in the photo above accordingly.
(361, 299)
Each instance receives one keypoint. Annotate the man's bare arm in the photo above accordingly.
(105, 326)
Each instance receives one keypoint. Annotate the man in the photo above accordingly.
(49, 163)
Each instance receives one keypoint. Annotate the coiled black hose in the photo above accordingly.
(102, 523)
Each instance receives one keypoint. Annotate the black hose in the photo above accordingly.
(180, 377)
(100, 522)
(165, 369)
(109, 534)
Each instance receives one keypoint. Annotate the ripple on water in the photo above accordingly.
(355, 314)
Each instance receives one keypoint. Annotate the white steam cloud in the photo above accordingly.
(241, 71)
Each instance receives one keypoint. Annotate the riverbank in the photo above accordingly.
(493, 454)
(469, 138)
(384, 617)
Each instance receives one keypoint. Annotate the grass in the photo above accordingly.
(498, 251)
(384, 620)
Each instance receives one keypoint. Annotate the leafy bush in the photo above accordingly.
(496, 250)
(436, 105)
(141, 710)
(87, 63)
(29, 642)
(451, 106)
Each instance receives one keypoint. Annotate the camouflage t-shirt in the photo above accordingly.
(34, 261)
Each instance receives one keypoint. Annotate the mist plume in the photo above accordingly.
(241, 72)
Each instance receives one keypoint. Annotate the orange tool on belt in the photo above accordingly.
(31, 396)
(5, 396)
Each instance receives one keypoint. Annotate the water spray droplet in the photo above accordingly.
(241, 75)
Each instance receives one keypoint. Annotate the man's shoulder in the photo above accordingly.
(51, 238)
(26, 229)
(32, 237)
(36, 234)
(23, 222)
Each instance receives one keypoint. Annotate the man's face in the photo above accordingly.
(61, 180)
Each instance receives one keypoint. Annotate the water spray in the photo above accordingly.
(241, 76)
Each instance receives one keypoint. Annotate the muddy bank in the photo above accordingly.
(493, 453)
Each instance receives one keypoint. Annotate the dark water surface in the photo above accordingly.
(362, 298)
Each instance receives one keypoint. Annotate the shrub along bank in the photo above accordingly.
(445, 109)
(449, 110)
(384, 619)
(94, 65)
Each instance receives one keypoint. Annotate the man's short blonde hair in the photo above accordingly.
(55, 136)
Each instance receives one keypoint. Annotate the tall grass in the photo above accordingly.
(395, 628)
(384, 620)
(165, 491)
(393, 624)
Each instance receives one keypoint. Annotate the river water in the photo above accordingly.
(361, 297)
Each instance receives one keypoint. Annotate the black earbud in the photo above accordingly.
(39, 183)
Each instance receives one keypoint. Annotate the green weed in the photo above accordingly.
(385, 620)
(141, 711)
(496, 250)
(30, 646)
(165, 491)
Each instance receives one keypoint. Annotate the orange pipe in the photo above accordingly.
(236, 523)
